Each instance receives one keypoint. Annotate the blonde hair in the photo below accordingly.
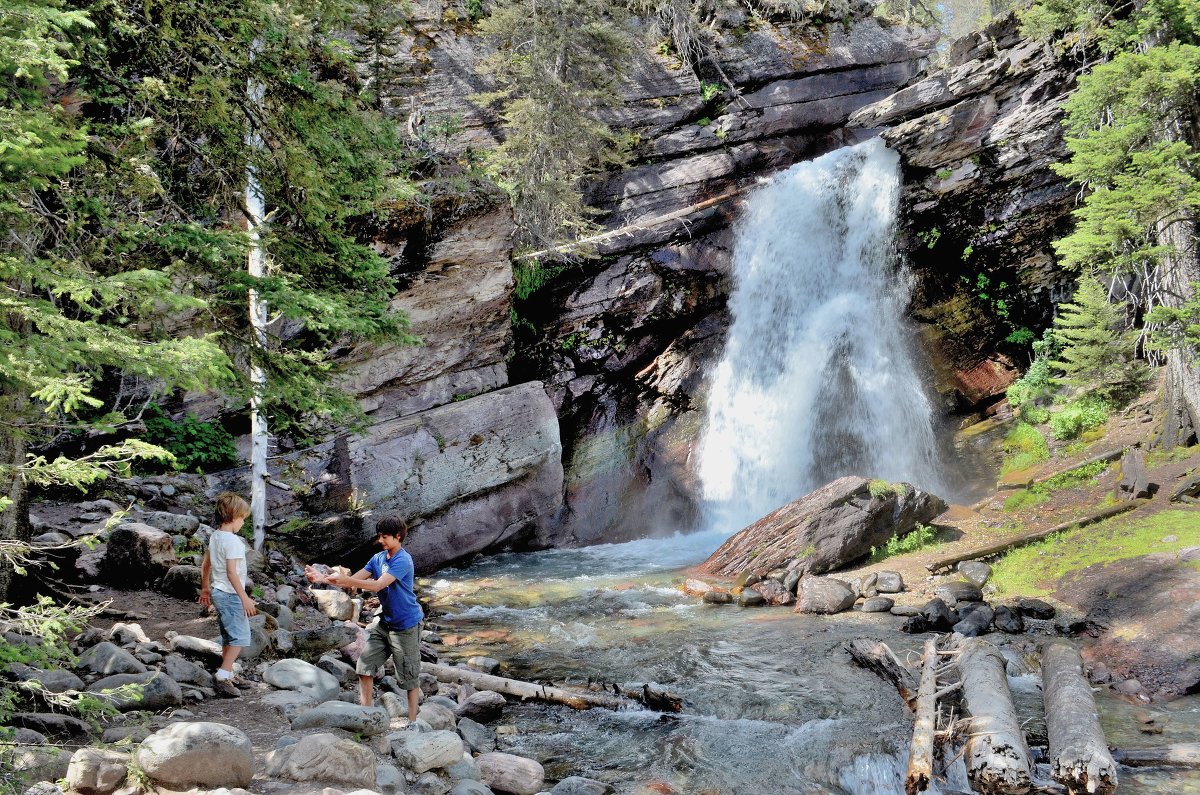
(231, 507)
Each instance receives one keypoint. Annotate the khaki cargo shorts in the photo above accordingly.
(403, 645)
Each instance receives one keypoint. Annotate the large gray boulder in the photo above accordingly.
(823, 595)
(508, 773)
(822, 531)
(316, 642)
(421, 751)
(95, 771)
(151, 690)
(52, 681)
(137, 555)
(303, 677)
(200, 754)
(108, 658)
(367, 721)
(325, 758)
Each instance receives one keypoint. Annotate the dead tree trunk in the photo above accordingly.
(1180, 755)
(576, 699)
(920, 754)
(996, 755)
(14, 520)
(1181, 415)
(877, 657)
(1079, 756)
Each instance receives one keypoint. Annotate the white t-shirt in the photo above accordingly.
(222, 546)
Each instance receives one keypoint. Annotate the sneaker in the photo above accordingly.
(226, 689)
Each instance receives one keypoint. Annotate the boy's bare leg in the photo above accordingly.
(413, 708)
(366, 690)
(228, 655)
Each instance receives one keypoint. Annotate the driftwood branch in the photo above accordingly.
(877, 657)
(991, 550)
(997, 758)
(577, 699)
(1179, 755)
(920, 755)
(1079, 756)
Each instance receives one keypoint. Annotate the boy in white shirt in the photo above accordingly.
(224, 566)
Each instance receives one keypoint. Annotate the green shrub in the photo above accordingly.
(197, 446)
(1023, 447)
(881, 488)
(1074, 418)
(922, 536)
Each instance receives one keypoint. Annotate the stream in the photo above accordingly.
(771, 702)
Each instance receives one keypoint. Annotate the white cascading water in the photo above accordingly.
(817, 379)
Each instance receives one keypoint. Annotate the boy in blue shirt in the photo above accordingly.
(398, 631)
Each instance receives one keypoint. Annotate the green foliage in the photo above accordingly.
(710, 91)
(1095, 357)
(1085, 414)
(930, 237)
(921, 537)
(1025, 499)
(1039, 493)
(1024, 446)
(1034, 570)
(197, 446)
(881, 488)
(556, 65)
(1021, 336)
(1175, 327)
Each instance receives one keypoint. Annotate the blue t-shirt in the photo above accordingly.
(400, 608)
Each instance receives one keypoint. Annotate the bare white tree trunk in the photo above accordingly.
(920, 754)
(256, 267)
(1079, 757)
(997, 758)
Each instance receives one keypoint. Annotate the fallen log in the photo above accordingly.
(1180, 755)
(942, 564)
(920, 754)
(877, 657)
(576, 699)
(996, 755)
(1079, 756)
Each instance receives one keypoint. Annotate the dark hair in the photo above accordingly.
(392, 526)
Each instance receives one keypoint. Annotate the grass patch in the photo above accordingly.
(1159, 456)
(1023, 447)
(923, 536)
(1039, 493)
(1034, 569)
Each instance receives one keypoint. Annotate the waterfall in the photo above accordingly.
(818, 378)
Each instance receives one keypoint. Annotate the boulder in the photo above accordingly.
(172, 523)
(344, 673)
(823, 595)
(436, 715)
(127, 635)
(750, 597)
(182, 582)
(108, 658)
(1036, 608)
(334, 603)
(185, 671)
(877, 604)
(889, 582)
(717, 598)
(207, 651)
(50, 724)
(954, 592)
(421, 751)
(975, 572)
(774, 593)
(1007, 620)
(326, 758)
(152, 690)
(197, 754)
(478, 738)
(935, 616)
(470, 787)
(137, 555)
(976, 621)
(95, 771)
(508, 773)
(484, 706)
(303, 677)
(830, 527)
(316, 642)
(464, 769)
(53, 681)
(367, 721)
(487, 665)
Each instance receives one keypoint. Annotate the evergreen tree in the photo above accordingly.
(557, 66)
(123, 161)
(1095, 357)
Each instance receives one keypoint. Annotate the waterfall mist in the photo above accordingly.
(818, 377)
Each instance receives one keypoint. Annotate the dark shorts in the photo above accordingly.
(403, 645)
(231, 616)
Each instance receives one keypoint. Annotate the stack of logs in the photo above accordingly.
(996, 755)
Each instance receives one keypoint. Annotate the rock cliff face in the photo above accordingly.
(621, 340)
(977, 138)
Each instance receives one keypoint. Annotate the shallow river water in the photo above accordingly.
(772, 703)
